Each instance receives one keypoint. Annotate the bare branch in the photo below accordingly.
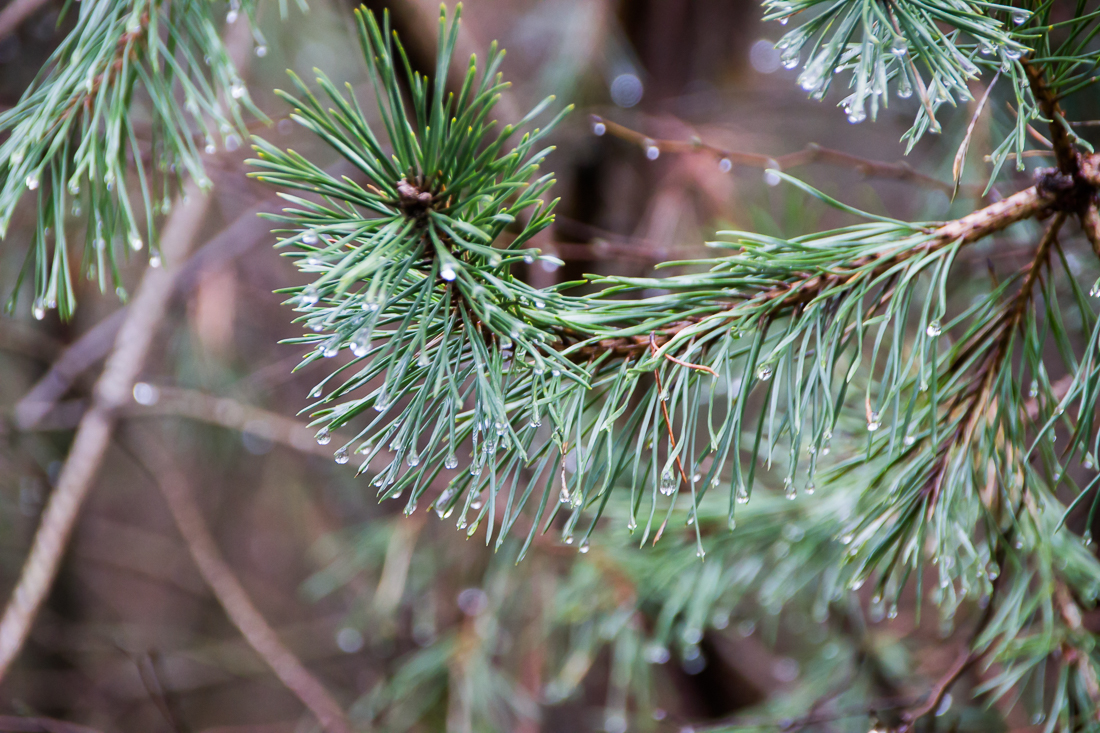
(112, 391)
(232, 595)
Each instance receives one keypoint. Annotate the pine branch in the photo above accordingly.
(71, 142)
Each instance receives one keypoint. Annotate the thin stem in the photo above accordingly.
(232, 595)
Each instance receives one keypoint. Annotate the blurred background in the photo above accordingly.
(408, 624)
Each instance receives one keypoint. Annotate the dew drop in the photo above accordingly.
(668, 483)
(154, 259)
(584, 547)
(324, 437)
(413, 460)
(742, 495)
(447, 273)
(1019, 17)
(451, 462)
(899, 47)
(873, 423)
(308, 296)
(360, 345)
(599, 129)
(652, 152)
(1033, 390)
(341, 456)
(764, 372)
(32, 181)
(309, 237)
(39, 309)
(934, 329)
(725, 165)
(261, 51)
(135, 242)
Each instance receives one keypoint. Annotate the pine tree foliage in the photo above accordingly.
(954, 430)
(101, 136)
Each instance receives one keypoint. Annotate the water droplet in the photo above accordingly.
(856, 113)
(657, 654)
(360, 344)
(324, 437)
(135, 242)
(764, 372)
(39, 309)
(652, 152)
(873, 423)
(154, 259)
(812, 77)
(583, 548)
(1019, 17)
(309, 237)
(74, 187)
(447, 273)
(331, 347)
(231, 16)
(1013, 53)
(451, 462)
(261, 51)
(934, 329)
(32, 181)
(790, 56)
(210, 148)
(232, 142)
(992, 571)
(909, 440)
(771, 178)
(742, 494)
(663, 396)
(725, 165)
(668, 483)
(308, 296)
(905, 87)
(1033, 390)
(237, 90)
(598, 128)
(899, 47)
(789, 490)
(413, 460)
(341, 456)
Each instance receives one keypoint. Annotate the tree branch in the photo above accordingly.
(812, 153)
(232, 595)
(112, 391)
(1060, 137)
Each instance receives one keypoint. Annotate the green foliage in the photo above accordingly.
(933, 50)
(625, 404)
(79, 146)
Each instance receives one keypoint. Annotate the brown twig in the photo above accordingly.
(967, 230)
(15, 12)
(231, 594)
(1060, 137)
(668, 423)
(812, 153)
(112, 391)
(16, 724)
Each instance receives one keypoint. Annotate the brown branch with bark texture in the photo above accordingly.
(229, 592)
(971, 228)
(93, 435)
